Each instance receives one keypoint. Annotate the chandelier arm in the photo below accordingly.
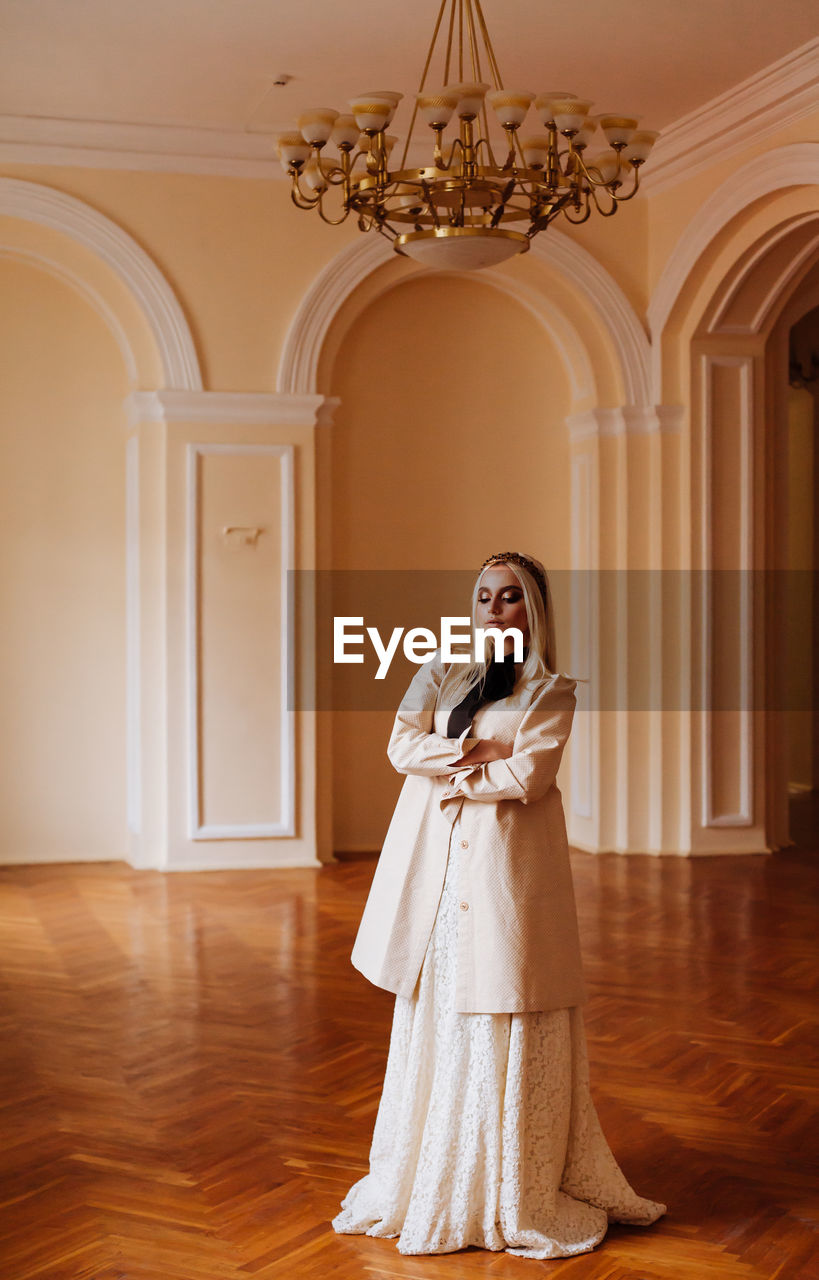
(488, 159)
(357, 156)
(335, 176)
(552, 168)
(446, 164)
(572, 166)
(490, 52)
(300, 200)
(424, 77)
(382, 172)
(333, 222)
(516, 143)
(468, 148)
(366, 222)
(574, 172)
(487, 138)
(575, 203)
(437, 150)
(586, 214)
(604, 213)
(634, 189)
(588, 172)
(569, 157)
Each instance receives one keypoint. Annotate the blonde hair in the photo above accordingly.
(541, 659)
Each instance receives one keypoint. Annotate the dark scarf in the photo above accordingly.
(498, 683)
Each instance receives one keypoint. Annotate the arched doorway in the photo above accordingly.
(724, 346)
(449, 441)
(87, 319)
(803, 556)
(618, 444)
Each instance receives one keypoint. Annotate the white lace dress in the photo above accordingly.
(486, 1132)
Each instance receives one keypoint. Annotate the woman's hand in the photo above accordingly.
(485, 749)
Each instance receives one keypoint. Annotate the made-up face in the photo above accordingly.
(501, 603)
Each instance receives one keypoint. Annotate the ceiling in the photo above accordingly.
(210, 63)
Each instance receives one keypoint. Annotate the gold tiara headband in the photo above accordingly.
(514, 557)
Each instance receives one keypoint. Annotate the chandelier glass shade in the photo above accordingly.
(480, 199)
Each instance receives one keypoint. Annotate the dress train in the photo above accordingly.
(486, 1132)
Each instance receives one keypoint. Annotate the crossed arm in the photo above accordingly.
(483, 769)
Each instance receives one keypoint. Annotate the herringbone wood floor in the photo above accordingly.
(191, 1070)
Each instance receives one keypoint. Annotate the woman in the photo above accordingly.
(486, 1132)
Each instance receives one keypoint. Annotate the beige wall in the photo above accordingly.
(63, 587)
(435, 464)
(239, 258)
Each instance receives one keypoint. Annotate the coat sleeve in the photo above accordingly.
(529, 772)
(413, 747)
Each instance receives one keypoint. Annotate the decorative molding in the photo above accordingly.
(790, 166)
(584, 781)
(671, 417)
(161, 148)
(133, 645)
(796, 268)
(593, 423)
(766, 102)
(640, 420)
(251, 830)
(298, 364)
(629, 419)
(758, 106)
(140, 275)
(230, 408)
(602, 293)
(745, 621)
(301, 352)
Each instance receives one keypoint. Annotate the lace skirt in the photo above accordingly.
(486, 1132)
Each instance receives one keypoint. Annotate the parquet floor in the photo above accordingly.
(191, 1068)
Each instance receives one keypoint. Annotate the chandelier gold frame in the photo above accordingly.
(459, 208)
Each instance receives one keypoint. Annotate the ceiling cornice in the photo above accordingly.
(101, 144)
(757, 107)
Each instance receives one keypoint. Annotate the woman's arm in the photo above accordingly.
(485, 750)
(413, 746)
(530, 770)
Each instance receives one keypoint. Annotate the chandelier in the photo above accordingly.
(477, 201)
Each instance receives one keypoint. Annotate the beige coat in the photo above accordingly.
(518, 945)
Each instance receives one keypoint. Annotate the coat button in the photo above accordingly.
(464, 906)
(464, 844)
